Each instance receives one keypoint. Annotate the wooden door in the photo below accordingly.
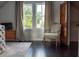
(64, 23)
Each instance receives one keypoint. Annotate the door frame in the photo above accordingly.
(66, 16)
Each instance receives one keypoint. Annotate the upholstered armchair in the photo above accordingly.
(54, 34)
(2, 38)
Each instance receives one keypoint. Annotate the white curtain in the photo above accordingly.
(48, 16)
(19, 18)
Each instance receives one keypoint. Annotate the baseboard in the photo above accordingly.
(73, 42)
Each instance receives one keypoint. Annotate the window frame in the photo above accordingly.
(34, 3)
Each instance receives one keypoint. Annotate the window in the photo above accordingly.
(33, 13)
(40, 8)
(27, 16)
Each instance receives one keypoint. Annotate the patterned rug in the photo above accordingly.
(15, 49)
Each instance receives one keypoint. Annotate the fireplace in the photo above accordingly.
(10, 34)
(8, 26)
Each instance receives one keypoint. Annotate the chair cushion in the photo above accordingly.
(51, 34)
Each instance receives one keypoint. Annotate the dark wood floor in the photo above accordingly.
(39, 49)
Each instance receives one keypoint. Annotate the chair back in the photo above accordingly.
(56, 28)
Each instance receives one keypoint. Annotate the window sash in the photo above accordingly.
(34, 21)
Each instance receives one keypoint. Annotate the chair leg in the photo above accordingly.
(44, 40)
(56, 43)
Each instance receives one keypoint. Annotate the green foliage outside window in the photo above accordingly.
(27, 22)
(27, 17)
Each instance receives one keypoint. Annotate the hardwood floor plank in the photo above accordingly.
(39, 49)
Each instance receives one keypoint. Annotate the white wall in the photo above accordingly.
(7, 13)
(57, 11)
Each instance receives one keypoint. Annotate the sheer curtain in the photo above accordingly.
(19, 18)
(48, 16)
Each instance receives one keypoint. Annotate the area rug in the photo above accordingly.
(15, 49)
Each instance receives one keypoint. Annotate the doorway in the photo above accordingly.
(33, 20)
